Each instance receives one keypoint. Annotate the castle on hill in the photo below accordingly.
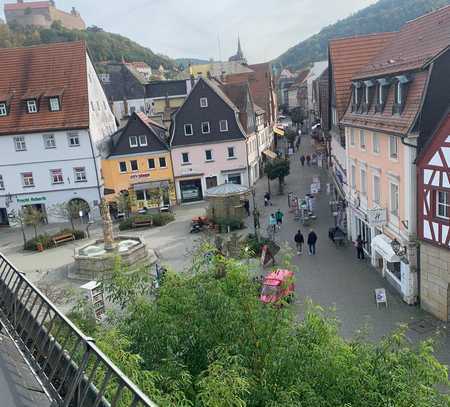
(42, 14)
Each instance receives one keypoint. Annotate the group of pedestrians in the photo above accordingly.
(311, 241)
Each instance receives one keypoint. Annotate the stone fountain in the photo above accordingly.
(93, 260)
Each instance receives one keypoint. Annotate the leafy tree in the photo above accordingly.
(278, 168)
(70, 210)
(206, 340)
(33, 217)
(297, 116)
(18, 217)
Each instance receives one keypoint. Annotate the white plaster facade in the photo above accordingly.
(38, 160)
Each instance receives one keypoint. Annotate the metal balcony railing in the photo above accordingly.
(74, 371)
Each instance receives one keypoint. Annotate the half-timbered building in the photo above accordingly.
(433, 174)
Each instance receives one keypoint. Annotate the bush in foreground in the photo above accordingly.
(207, 340)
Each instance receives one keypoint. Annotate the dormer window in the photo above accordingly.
(55, 106)
(398, 93)
(203, 102)
(356, 96)
(401, 86)
(3, 109)
(32, 106)
(382, 90)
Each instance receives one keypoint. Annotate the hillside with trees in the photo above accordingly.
(385, 15)
(103, 46)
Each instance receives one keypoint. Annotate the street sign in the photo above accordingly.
(377, 217)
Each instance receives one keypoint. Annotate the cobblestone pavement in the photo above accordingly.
(334, 278)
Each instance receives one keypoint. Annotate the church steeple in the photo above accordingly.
(239, 56)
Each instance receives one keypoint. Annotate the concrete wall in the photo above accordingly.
(434, 280)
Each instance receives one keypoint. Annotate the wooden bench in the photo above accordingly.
(63, 238)
(142, 223)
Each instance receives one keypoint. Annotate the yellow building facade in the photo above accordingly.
(139, 164)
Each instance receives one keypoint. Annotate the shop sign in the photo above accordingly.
(377, 216)
(139, 176)
(31, 199)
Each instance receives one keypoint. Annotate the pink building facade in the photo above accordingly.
(199, 167)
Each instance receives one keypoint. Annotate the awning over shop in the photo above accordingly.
(270, 154)
(382, 245)
(151, 185)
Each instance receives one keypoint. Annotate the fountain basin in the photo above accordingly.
(93, 260)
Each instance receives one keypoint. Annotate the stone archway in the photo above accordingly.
(80, 204)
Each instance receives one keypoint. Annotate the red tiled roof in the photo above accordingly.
(23, 6)
(42, 70)
(348, 56)
(418, 42)
(386, 121)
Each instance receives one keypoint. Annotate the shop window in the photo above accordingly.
(151, 163)
(57, 176)
(27, 179)
(162, 162)
(49, 141)
(123, 166)
(134, 165)
(394, 268)
(234, 179)
(140, 196)
(19, 143)
(443, 204)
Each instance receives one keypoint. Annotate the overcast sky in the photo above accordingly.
(192, 28)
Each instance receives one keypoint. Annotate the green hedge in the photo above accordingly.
(159, 219)
(47, 240)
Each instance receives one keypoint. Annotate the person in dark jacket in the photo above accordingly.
(312, 240)
(308, 160)
(360, 247)
(299, 240)
(302, 160)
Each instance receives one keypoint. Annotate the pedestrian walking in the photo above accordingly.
(299, 240)
(360, 247)
(312, 240)
(308, 160)
(302, 160)
(272, 223)
(247, 207)
(279, 217)
(267, 200)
